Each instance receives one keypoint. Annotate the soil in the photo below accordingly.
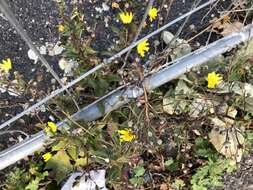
(40, 19)
(242, 178)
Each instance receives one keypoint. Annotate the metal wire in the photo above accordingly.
(119, 54)
(14, 22)
(122, 96)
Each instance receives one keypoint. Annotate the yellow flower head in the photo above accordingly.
(143, 47)
(47, 156)
(6, 65)
(152, 13)
(126, 135)
(61, 28)
(126, 17)
(51, 127)
(213, 79)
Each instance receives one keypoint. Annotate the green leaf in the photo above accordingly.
(113, 78)
(60, 145)
(114, 172)
(81, 162)
(72, 151)
(198, 187)
(41, 176)
(168, 162)
(178, 183)
(60, 164)
(136, 180)
(139, 171)
(33, 185)
(89, 51)
(233, 77)
(115, 29)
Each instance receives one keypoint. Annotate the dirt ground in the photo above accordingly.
(40, 18)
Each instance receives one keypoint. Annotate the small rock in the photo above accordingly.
(167, 36)
(32, 56)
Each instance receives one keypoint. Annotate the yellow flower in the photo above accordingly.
(213, 79)
(47, 130)
(126, 135)
(6, 65)
(51, 127)
(143, 47)
(152, 13)
(47, 156)
(61, 28)
(126, 17)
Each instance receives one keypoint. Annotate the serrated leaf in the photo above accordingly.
(42, 176)
(33, 185)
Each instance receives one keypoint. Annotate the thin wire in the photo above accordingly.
(158, 31)
(150, 4)
(56, 92)
(12, 19)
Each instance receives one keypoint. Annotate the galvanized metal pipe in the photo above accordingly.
(98, 67)
(196, 58)
(123, 96)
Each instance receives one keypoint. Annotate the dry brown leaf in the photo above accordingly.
(164, 186)
(228, 142)
(219, 23)
(231, 27)
(115, 5)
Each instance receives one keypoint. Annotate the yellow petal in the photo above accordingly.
(143, 47)
(152, 14)
(52, 126)
(61, 28)
(213, 79)
(47, 156)
(6, 65)
(126, 17)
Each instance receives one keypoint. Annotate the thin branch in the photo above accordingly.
(150, 4)
(14, 131)
(103, 64)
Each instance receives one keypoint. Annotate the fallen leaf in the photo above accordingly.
(163, 186)
(230, 28)
(177, 47)
(228, 141)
